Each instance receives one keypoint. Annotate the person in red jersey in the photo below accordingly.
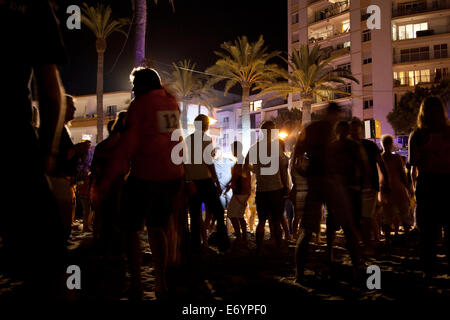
(154, 182)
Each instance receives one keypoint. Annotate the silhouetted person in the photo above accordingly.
(153, 188)
(63, 177)
(370, 183)
(298, 168)
(344, 165)
(396, 203)
(106, 219)
(271, 183)
(323, 189)
(429, 155)
(241, 186)
(200, 171)
(31, 230)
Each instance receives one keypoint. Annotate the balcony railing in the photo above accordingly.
(328, 35)
(332, 10)
(420, 56)
(419, 7)
(407, 81)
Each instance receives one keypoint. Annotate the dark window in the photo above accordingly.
(368, 60)
(368, 104)
(366, 35)
(440, 51)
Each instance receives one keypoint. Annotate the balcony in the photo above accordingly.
(333, 10)
(328, 36)
(420, 56)
(419, 7)
(411, 81)
(442, 30)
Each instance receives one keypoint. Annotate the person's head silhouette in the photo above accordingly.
(267, 127)
(201, 123)
(432, 114)
(145, 79)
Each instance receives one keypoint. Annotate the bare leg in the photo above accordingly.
(295, 225)
(387, 234)
(133, 250)
(236, 227)
(252, 218)
(243, 224)
(277, 233)
(158, 244)
(301, 252)
(285, 225)
(331, 236)
(260, 235)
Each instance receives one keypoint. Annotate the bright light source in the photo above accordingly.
(212, 121)
(86, 137)
(283, 135)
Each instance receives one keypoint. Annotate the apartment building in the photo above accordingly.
(229, 119)
(410, 48)
(84, 126)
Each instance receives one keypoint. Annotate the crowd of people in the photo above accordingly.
(133, 180)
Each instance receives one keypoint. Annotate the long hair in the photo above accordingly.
(432, 114)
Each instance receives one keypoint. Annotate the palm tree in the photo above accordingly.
(311, 75)
(245, 64)
(140, 8)
(99, 20)
(188, 86)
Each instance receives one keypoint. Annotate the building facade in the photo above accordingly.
(410, 48)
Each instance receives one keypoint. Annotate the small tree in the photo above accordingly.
(403, 117)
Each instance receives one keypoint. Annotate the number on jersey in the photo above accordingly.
(168, 120)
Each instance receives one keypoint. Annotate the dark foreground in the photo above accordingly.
(242, 276)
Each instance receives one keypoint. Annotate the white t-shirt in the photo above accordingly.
(196, 168)
(267, 181)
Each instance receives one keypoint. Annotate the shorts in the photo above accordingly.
(237, 205)
(368, 203)
(299, 202)
(152, 201)
(392, 210)
(270, 205)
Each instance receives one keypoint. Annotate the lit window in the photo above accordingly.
(425, 75)
(409, 31)
(416, 76)
(255, 105)
(402, 77)
(394, 32)
(346, 26)
(411, 78)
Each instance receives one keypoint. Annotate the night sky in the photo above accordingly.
(193, 31)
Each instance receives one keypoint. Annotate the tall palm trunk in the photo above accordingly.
(306, 109)
(101, 47)
(141, 28)
(245, 113)
(184, 114)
